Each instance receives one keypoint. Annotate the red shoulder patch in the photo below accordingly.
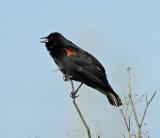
(69, 52)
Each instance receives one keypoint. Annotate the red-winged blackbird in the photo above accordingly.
(77, 64)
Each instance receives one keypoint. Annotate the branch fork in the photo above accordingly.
(74, 96)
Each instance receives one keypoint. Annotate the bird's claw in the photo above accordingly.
(67, 77)
(73, 95)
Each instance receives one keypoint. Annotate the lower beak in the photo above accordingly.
(44, 40)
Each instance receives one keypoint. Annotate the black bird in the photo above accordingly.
(79, 65)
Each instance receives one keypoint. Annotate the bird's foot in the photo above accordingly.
(73, 95)
(67, 77)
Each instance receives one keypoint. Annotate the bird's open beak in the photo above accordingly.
(44, 40)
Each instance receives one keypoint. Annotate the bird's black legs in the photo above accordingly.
(74, 92)
(66, 77)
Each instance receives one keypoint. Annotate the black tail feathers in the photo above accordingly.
(113, 99)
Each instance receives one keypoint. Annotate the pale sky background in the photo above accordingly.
(34, 99)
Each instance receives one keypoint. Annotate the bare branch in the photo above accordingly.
(124, 118)
(146, 98)
(129, 123)
(131, 113)
(82, 118)
(78, 110)
(72, 85)
(147, 105)
(131, 98)
(152, 97)
(78, 88)
(126, 110)
(138, 123)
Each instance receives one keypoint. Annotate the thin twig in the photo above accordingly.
(147, 105)
(78, 110)
(72, 85)
(138, 123)
(124, 118)
(133, 104)
(78, 88)
(131, 98)
(126, 110)
(127, 124)
(82, 118)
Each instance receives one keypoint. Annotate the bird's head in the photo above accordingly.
(52, 37)
(52, 41)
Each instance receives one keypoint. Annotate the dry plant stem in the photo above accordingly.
(127, 124)
(133, 105)
(131, 98)
(82, 118)
(78, 110)
(146, 108)
(138, 123)
(126, 118)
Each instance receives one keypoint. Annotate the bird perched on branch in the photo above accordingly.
(79, 65)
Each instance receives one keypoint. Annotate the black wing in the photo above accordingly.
(87, 62)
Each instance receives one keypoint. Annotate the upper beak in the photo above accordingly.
(44, 40)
